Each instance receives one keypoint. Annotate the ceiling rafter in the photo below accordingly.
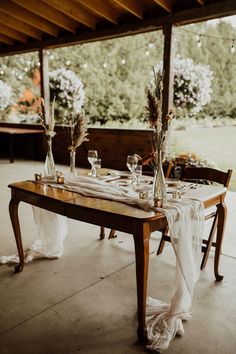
(48, 13)
(101, 9)
(133, 6)
(165, 4)
(74, 11)
(12, 33)
(20, 26)
(6, 39)
(201, 2)
(26, 16)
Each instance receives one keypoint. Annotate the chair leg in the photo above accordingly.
(209, 243)
(102, 233)
(112, 234)
(162, 242)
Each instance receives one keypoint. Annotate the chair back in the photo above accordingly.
(206, 174)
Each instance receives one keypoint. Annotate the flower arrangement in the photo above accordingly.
(68, 88)
(158, 124)
(5, 95)
(192, 85)
(48, 123)
(77, 132)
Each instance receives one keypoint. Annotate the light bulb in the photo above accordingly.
(85, 65)
(232, 49)
(199, 43)
(104, 65)
(147, 53)
(123, 61)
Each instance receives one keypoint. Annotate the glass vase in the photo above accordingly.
(159, 183)
(49, 166)
(73, 172)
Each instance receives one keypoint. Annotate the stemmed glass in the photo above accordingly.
(92, 157)
(132, 162)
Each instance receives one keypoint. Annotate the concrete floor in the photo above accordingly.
(85, 302)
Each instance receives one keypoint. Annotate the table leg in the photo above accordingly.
(222, 214)
(141, 242)
(102, 233)
(13, 210)
(11, 148)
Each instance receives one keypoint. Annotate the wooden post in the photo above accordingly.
(44, 82)
(168, 67)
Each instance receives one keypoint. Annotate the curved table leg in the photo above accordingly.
(222, 214)
(141, 242)
(13, 210)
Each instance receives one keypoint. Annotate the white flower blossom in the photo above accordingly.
(68, 89)
(192, 84)
(5, 95)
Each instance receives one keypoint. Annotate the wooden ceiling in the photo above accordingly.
(27, 25)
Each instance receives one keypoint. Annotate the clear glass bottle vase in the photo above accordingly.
(73, 172)
(159, 183)
(49, 166)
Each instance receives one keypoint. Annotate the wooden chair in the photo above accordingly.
(167, 167)
(202, 175)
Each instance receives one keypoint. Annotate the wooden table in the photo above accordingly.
(113, 215)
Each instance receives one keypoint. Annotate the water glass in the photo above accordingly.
(92, 157)
(138, 173)
(96, 166)
(132, 162)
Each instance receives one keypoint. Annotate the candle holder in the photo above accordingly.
(59, 177)
(143, 194)
(38, 177)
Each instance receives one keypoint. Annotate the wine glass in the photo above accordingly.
(92, 157)
(131, 163)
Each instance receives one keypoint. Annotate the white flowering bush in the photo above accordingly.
(5, 95)
(68, 90)
(192, 85)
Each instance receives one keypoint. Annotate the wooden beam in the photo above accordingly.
(48, 13)
(100, 8)
(207, 12)
(12, 33)
(165, 4)
(168, 68)
(6, 39)
(133, 6)
(44, 80)
(74, 11)
(20, 26)
(201, 2)
(26, 16)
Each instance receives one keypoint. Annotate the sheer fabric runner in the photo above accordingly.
(185, 220)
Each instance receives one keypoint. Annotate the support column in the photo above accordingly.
(44, 82)
(168, 67)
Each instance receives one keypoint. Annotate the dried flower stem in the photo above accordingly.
(77, 132)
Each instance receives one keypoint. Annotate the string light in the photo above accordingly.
(68, 62)
(232, 49)
(199, 42)
(151, 45)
